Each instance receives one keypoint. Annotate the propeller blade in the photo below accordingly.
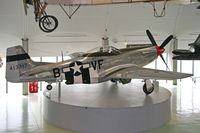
(169, 38)
(198, 7)
(25, 7)
(164, 61)
(151, 38)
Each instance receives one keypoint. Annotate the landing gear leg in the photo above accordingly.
(59, 89)
(49, 87)
(148, 87)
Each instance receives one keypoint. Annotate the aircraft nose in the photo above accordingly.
(159, 50)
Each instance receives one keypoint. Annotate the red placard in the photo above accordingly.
(33, 87)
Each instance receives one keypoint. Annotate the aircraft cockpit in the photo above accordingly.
(110, 49)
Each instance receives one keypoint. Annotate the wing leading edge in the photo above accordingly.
(147, 73)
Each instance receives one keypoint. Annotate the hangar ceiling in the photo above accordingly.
(124, 23)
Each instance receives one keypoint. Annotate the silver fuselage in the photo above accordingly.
(96, 67)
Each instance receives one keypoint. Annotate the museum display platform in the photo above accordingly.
(107, 108)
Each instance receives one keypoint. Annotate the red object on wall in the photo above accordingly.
(33, 87)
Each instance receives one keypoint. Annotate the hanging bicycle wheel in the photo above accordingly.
(48, 23)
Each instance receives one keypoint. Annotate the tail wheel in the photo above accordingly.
(48, 23)
(113, 80)
(49, 87)
(148, 90)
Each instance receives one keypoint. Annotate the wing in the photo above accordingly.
(146, 73)
(93, 2)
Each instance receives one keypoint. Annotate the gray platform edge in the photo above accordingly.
(107, 120)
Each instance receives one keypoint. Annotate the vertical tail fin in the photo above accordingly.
(17, 61)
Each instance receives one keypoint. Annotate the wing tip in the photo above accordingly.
(185, 75)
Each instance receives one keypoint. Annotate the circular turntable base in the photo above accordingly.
(107, 108)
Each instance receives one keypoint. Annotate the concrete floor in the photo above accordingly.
(23, 114)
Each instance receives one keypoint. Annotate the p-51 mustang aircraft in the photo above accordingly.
(193, 53)
(116, 65)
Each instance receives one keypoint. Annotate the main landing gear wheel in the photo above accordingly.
(48, 23)
(148, 90)
(49, 87)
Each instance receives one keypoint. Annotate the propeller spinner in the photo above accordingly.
(160, 49)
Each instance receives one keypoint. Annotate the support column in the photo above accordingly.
(25, 85)
(105, 44)
(41, 81)
(173, 62)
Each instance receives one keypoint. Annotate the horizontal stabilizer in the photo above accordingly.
(191, 57)
(181, 52)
